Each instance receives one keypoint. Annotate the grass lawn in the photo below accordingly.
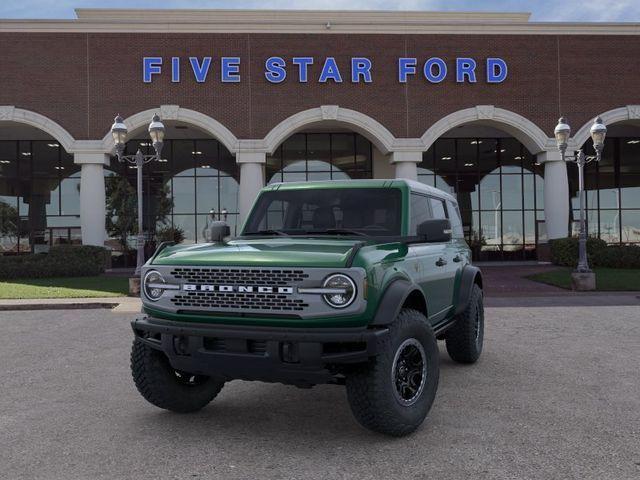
(607, 279)
(71, 287)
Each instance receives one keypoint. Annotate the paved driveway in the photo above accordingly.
(555, 395)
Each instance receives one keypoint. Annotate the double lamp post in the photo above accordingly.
(156, 132)
(582, 278)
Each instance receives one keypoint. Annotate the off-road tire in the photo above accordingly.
(371, 389)
(162, 386)
(464, 339)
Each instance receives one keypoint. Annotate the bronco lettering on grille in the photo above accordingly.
(189, 287)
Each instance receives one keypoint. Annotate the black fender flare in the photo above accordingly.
(470, 276)
(392, 300)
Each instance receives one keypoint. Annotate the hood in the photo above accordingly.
(283, 252)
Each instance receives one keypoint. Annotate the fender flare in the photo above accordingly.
(392, 301)
(470, 276)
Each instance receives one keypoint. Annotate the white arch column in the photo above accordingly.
(251, 180)
(406, 164)
(556, 194)
(92, 196)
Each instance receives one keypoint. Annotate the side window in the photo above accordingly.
(437, 206)
(456, 220)
(420, 211)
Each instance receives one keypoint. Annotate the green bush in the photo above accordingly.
(565, 252)
(618, 256)
(61, 261)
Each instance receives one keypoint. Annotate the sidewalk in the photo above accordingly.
(504, 286)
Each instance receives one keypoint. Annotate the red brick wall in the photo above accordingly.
(82, 80)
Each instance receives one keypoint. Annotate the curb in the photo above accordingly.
(59, 306)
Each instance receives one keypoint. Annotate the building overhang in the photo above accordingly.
(311, 21)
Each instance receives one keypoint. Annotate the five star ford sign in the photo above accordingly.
(360, 69)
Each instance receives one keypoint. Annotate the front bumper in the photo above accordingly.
(272, 354)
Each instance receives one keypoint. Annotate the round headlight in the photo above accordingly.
(153, 282)
(344, 291)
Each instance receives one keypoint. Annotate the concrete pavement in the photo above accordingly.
(555, 395)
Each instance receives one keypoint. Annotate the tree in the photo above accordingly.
(122, 208)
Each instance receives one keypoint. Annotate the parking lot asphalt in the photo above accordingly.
(555, 395)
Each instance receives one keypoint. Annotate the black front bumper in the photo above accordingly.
(271, 354)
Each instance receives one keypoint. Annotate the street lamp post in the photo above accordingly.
(156, 132)
(598, 132)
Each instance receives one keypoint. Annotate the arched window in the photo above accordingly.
(320, 156)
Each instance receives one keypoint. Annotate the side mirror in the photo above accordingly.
(435, 230)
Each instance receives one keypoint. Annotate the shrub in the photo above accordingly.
(618, 256)
(565, 252)
(170, 234)
(61, 261)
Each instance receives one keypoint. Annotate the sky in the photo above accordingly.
(542, 10)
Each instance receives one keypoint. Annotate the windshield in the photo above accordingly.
(333, 211)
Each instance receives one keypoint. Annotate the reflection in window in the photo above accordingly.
(320, 156)
(499, 188)
(39, 196)
(193, 178)
(612, 190)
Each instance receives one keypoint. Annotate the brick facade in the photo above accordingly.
(80, 80)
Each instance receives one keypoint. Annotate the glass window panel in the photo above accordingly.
(318, 176)
(467, 154)
(228, 165)
(343, 150)
(512, 192)
(8, 159)
(229, 194)
(609, 198)
(630, 226)
(207, 194)
(426, 179)
(67, 166)
(490, 192)
(446, 184)
(610, 226)
(488, 156)
(45, 159)
(9, 222)
(445, 156)
(530, 227)
(629, 156)
(491, 230)
(44, 196)
(183, 195)
(294, 177)
(427, 160)
(188, 224)
(467, 192)
(512, 232)
(363, 153)
(438, 209)
(420, 211)
(184, 154)
(529, 192)
(207, 154)
(630, 191)
(70, 196)
(319, 152)
(24, 159)
(511, 155)
(294, 153)
(347, 175)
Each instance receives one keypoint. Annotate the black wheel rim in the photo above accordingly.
(189, 379)
(409, 372)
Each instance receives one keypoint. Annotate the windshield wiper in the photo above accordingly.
(337, 231)
(268, 232)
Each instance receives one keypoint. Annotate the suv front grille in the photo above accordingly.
(234, 276)
(237, 301)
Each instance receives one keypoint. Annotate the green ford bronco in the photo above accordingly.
(343, 282)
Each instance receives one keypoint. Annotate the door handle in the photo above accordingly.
(441, 262)
(457, 259)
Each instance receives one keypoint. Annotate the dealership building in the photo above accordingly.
(466, 102)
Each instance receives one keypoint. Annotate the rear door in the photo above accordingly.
(448, 261)
(426, 268)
